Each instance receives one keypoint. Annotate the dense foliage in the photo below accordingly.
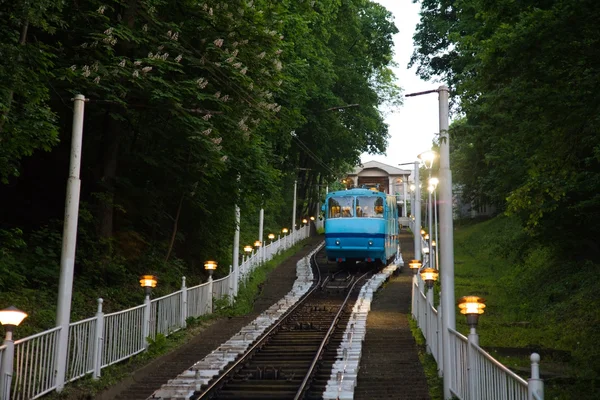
(524, 75)
(194, 106)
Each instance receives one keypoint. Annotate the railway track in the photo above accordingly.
(293, 359)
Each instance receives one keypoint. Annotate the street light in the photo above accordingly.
(271, 236)
(210, 266)
(429, 276)
(284, 231)
(415, 265)
(257, 244)
(446, 233)
(248, 249)
(472, 307)
(304, 221)
(427, 158)
(148, 282)
(10, 317)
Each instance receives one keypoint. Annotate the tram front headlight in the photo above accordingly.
(370, 243)
(337, 242)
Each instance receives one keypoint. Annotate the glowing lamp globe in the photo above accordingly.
(415, 265)
(472, 307)
(429, 275)
(148, 281)
(427, 158)
(210, 265)
(12, 316)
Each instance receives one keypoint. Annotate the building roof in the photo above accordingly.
(384, 167)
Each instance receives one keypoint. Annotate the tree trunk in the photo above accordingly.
(174, 234)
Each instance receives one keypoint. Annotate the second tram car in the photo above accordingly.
(360, 225)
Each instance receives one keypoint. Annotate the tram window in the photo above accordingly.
(369, 207)
(341, 207)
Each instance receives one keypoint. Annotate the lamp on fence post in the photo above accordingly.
(10, 317)
(147, 282)
(183, 304)
(258, 244)
(210, 267)
(429, 276)
(414, 265)
(271, 237)
(472, 307)
(285, 239)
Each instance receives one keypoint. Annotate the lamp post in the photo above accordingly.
(69, 240)
(433, 181)
(414, 265)
(10, 318)
(429, 276)
(148, 282)
(258, 245)
(210, 267)
(271, 237)
(416, 209)
(446, 233)
(472, 307)
(294, 213)
(285, 231)
(427, 158)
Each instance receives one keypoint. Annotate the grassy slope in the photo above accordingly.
(536, 301)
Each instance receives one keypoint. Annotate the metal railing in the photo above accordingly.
(103, 340)
(474, 373)
(34, 359)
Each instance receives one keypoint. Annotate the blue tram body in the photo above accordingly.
(360, 225)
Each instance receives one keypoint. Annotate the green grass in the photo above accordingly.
(536, 301)
(434, 382)
(86, 387)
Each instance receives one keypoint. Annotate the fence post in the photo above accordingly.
(440, 341)
(428, 311)
(231, 284)
(98, 341)
(209, 295)
(536, 385)
(6, 371)
(183, 303)
(146, 322)
(473, 339)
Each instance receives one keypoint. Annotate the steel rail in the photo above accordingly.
(308, 375)
(220, 380)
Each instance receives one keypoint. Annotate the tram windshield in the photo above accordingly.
(341, 207)
(369, 207)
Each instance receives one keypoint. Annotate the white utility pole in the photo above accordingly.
(69, 241)
(417, 214)
(294, 213)
(446, 238)
(236, 252)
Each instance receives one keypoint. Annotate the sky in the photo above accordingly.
(413, 126)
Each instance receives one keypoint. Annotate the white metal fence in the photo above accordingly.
(474, 374)
(102, 340)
